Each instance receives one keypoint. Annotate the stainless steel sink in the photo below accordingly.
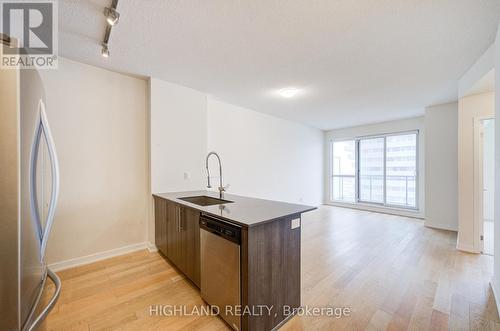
(203, 200)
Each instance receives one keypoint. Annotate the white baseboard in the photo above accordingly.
(79, 261)
(466, 248)
(376, 209)
(152, 247)
(496, 294)
(440, 227)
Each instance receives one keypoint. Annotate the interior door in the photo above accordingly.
(478, 186)
(484, 174)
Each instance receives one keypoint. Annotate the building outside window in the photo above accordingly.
(378, 170)
(344, 171)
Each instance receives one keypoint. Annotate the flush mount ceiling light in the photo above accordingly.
(105, 50)
(289, 92)
(112, 16)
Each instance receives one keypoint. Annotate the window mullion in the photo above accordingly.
(356, 174)
(385, 171)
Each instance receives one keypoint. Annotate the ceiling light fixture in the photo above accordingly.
(105, 50)
(112, 16)
(289, 92)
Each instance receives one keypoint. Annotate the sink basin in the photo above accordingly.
(203, 200)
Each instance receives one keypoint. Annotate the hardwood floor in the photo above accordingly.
(392, 272)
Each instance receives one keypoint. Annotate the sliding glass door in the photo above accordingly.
(344, 171)
(401, 170)
(379, 170)
(371, 170)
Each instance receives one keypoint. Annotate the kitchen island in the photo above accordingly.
(269, 254)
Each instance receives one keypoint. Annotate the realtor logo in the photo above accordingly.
(29, 32)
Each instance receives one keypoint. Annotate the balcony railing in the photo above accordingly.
(344, 194)
(371, 189)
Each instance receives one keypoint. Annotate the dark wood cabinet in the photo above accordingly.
(177, 236)
(190, 243)
(173, 234)
(161, 225)
(270, 271)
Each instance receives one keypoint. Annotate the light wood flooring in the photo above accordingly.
(391, 271)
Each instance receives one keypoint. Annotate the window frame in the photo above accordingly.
(357, 199)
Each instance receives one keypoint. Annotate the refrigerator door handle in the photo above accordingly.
(35, 146)
(55, 178)
(42, 127)
(39, 319)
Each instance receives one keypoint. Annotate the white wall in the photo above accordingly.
(411, 124)
(264, 156)
(99, 123)
(469, 109)
(178, 137)
(441, 166)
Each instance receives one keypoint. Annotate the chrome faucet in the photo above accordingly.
(221, 187)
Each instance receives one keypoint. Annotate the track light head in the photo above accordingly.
(105, 50)
(112, 16)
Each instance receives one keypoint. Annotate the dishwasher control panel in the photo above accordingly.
(221, 228)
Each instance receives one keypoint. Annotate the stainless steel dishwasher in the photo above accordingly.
(220, 267)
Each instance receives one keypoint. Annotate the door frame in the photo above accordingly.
(478, 206)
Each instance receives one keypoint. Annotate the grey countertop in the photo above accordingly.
(244, 211)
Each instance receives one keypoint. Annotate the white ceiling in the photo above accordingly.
(358, 62)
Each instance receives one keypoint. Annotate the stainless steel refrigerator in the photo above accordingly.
(29, 181)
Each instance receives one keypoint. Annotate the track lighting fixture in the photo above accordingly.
(105, 50)
(112, 16)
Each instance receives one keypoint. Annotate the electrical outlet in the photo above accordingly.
(296, 223)
(187, 175)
